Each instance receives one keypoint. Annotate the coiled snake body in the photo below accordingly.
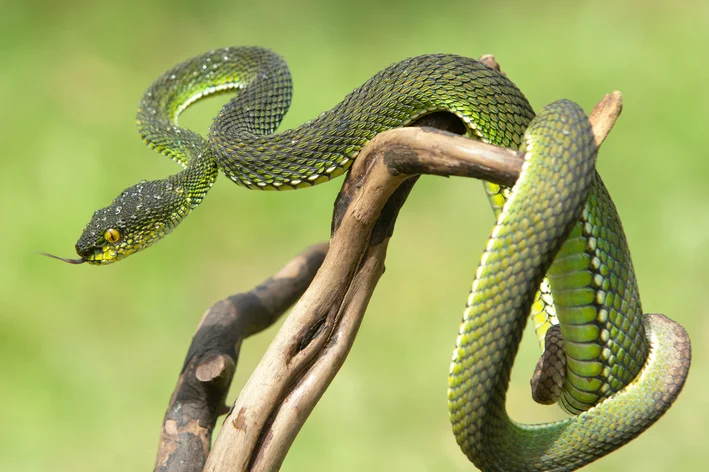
(623, 370)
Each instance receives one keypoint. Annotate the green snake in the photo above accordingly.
(622, 371)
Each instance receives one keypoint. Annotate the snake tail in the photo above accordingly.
(533, 226)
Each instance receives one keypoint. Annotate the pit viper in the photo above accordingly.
(622, 369)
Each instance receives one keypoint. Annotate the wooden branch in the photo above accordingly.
(212, 357)
(315, 339)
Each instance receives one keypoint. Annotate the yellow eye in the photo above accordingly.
(112, 235)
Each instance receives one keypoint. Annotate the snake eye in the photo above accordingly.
(112, 235)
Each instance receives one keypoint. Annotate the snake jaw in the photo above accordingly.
(109, 253)
(99, 256)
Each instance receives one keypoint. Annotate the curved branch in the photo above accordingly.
(212, 357)
(315, 339)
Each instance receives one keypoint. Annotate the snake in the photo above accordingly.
(557, 251)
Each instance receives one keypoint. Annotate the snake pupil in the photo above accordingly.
(112, 235)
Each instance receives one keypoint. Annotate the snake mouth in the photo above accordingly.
(64, 259)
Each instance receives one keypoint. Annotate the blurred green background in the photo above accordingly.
(90, 355)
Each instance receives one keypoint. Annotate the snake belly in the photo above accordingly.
(607, 348)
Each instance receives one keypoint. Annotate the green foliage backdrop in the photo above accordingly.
(90, 355)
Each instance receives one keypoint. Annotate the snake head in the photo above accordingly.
(138, 217)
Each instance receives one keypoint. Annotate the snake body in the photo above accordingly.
(623, 370)
(575, 237)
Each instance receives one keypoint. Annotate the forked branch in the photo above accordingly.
(315, 339)
(210, 363)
